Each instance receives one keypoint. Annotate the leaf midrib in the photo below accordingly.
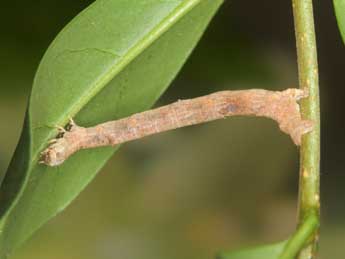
(133, 52)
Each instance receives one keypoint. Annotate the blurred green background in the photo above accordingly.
(194, 191)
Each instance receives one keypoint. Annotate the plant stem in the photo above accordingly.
(309, 190)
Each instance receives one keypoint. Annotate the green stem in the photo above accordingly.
(309, 191)
(300, 237)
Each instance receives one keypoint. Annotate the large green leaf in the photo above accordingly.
(114, 59)
(272, 251)
(339, 6)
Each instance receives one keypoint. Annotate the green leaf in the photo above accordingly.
(339, 6)
(271, 251)
(114, 59)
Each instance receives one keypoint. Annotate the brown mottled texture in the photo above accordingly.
(279, 106)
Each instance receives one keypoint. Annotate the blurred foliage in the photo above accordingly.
(339, 7)
(194, 191)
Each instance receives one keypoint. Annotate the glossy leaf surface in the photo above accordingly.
(114, 59)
